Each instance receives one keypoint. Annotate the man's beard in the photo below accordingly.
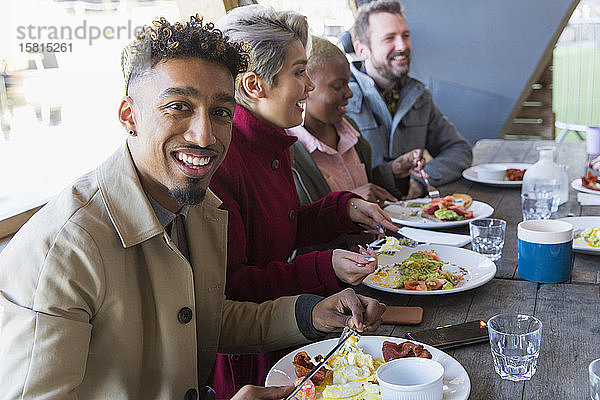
(189, 195)
(386, 71)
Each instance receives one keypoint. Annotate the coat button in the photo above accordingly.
(292, 215)
(191, 394)
(275, 164)
(185, 315)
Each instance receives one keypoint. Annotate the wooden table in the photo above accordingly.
(570, 311)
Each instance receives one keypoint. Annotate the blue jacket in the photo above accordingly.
(417, 123)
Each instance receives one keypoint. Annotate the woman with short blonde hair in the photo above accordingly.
(268, 34)
(255, 183)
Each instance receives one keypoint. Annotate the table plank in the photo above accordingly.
(495, 151)
(499, 296)
(586, 269)
(570, 341)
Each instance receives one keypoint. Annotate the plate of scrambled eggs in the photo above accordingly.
(457, 270)
(586, 234)
(354, 366)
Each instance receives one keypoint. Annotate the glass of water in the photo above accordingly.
(538, 205)
(487, 237)
(595, 379)
(515, 341)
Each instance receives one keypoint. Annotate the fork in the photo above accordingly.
(367, 259)
(346, 334)
(432, 192)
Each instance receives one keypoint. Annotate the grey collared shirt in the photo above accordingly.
(165, 217)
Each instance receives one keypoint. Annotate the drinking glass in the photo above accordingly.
(487, 237)
(538, 205)
(515, 343)
(595, 379)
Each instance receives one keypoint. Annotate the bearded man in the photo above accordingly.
(395, 112)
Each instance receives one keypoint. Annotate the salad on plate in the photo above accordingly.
(421, 271)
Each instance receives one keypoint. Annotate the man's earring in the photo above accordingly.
(132, 132)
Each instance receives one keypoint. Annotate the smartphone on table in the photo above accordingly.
(448, 336)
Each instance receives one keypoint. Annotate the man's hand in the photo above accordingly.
(347, 308)
(370, 216)
(415, 190)
(352, 268)
(374, 193)
(412, 161)
(250, 392)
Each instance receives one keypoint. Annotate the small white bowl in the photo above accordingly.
(411, 378)
(491, 172)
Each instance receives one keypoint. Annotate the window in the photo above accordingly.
(60, 87)
(61, 84)
(577, 68)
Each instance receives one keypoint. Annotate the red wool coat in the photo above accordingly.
(266, 224)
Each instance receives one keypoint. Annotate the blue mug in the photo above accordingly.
(545, 250)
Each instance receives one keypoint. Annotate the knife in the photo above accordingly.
(346, 334)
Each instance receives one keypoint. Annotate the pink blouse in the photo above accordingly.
(341, 167)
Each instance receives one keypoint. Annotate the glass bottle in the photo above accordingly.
(545, 176)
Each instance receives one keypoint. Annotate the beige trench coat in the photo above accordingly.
(91, 289)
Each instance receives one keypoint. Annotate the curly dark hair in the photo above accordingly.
(163, 40)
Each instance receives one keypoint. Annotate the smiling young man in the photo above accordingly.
(395, 112)
(188, 128)
(100, 295)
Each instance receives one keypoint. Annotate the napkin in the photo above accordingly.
(433, 237)
(587, 199)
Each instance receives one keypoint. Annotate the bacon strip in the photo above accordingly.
(515, 174)
(303, 365)
(431, 209)
(392, 351)
(590, 182)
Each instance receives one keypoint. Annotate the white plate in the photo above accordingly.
(471, 174)
(457, 384)
(576, 184)
(432, 237)
(579, 224)
(480, 269)
(401, 215)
